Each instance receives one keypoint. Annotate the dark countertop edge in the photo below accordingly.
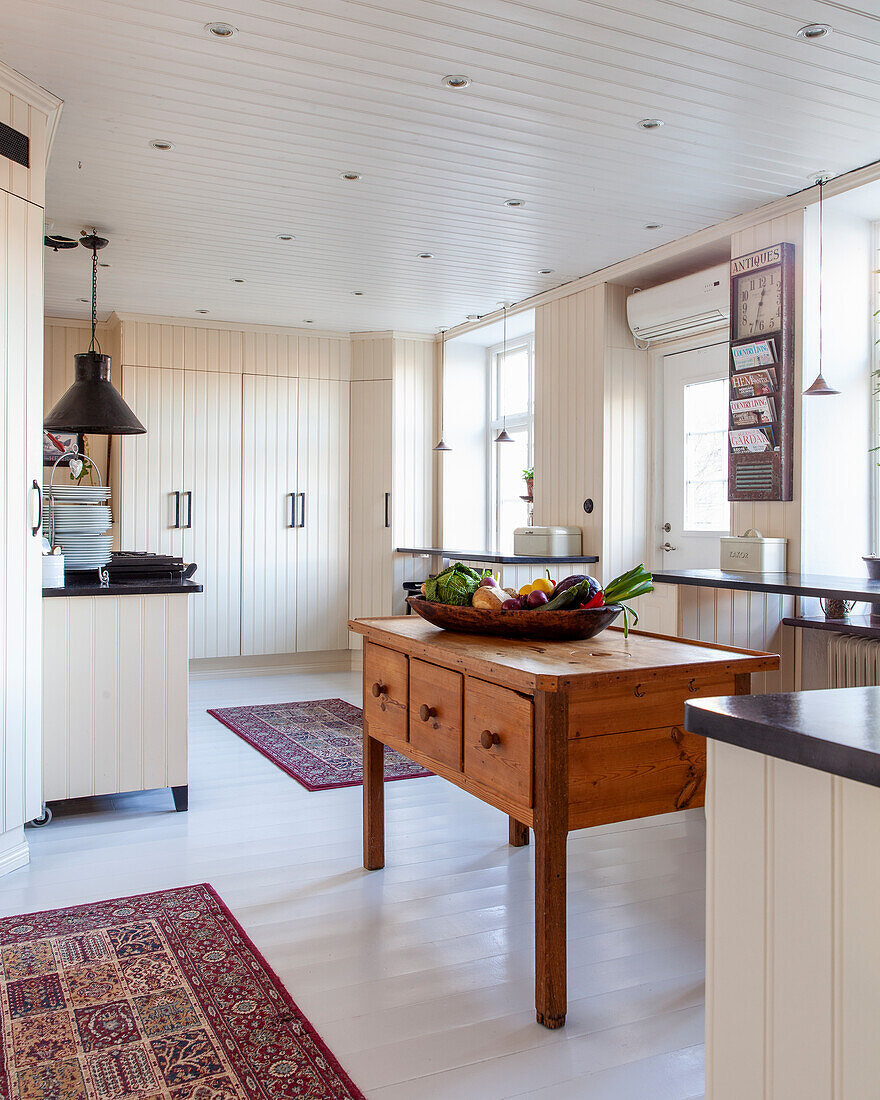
(859, 626)
(786, 584)
(497, 559)
(129, 588)
(763, 736)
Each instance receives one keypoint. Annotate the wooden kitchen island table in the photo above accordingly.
(557, 735)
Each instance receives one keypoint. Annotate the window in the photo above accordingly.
(511, 405)
(705, 456)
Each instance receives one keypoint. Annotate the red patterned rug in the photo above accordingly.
(155, 997)
(318, 743)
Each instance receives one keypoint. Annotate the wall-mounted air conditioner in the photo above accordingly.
(680, 308)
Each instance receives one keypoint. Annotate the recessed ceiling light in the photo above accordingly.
(813, 31)
(308, 322)
(358, 293)
(514, 203)
(221, 30)
(546, 271)
(236, 280)
(284, 237)
(426, 256)
(350, 177)
(650, 123)
(456, 81)
(162, 145)
(653, 225)
(201, 311)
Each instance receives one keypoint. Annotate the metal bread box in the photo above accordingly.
(547, 542)
(752, 553)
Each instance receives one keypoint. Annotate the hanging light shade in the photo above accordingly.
(819, 387)
(92, 405)
(502, 436)
(442, 445)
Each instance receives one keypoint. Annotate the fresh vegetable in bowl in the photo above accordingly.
(455, 585)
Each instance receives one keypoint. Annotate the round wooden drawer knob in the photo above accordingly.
(488, 739)
(378, 689)
(426, 712)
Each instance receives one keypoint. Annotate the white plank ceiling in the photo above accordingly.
(263, 124)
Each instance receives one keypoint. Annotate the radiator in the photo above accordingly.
(852, 661)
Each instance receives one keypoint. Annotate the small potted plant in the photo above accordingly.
(529, 475)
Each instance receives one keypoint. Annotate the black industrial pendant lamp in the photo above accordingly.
(442, 445)
(819, 387)
(503, 436)
(92, 405)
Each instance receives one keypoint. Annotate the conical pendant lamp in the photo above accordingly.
(502, 436)
(92, 405)
(819, 387)
(442, 445)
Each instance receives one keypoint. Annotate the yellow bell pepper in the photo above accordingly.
(542, 584)
(525, 590)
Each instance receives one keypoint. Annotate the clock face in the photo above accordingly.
(759, 303)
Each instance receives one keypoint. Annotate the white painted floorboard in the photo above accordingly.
(419, 977)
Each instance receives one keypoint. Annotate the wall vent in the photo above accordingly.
(14, 145)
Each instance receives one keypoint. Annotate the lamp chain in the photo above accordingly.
(94, 341)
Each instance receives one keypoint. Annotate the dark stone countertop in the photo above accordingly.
(836, 730)
(859, 625)
(89, 586)
(859, 589)
(497, 559)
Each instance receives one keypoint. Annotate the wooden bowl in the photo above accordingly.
(551, 626)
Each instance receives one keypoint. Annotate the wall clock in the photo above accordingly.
(761, 421)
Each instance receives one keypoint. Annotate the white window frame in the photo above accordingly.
(524, 421)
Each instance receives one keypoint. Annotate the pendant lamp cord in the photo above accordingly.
(94, 344)
(821, 262)
(504, 354)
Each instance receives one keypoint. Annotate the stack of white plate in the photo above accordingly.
(78, 517)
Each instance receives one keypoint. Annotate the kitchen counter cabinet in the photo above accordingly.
(557, 735)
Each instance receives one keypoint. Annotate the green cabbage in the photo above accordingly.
(455, 585)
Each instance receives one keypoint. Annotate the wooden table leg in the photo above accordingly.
(551, 832)
(374, 803)
(519, 833)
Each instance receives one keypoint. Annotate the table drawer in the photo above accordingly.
(386, 692)
(435, 706)
(647, 705)
(499, 727)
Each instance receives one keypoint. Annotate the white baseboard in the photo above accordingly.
(14, 850)
(273, 664)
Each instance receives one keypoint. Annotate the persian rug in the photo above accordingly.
(318, 743)
(155, 997)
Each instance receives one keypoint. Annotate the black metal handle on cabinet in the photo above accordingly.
(176, 524)
(387, 509)
(292, 522)
(39, 523)
(189, 510)
(302, 509)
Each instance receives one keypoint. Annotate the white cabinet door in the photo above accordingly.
(147, 470)
(211, 508)
(371, 502)
(271, 511)
(322, 535)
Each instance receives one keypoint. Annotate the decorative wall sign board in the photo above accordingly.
(761, 420)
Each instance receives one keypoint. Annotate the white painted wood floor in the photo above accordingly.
(419, 977)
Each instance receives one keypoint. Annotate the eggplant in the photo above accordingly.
(574, 579)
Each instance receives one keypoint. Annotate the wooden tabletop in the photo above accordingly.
(531, 666)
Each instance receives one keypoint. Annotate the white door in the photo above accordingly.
(271, 514)
(694, 511)
(211, 509)
(322, 440)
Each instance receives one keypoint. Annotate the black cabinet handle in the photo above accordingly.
(176, 524)
(292, 522)
(302, 509)
(387, 509)
(36, 486)
(189, 510)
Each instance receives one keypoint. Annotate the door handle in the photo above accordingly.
(667, 546)
(292, 522)
(38, 523)
(667, 527)
(189, 510)
(387, 509)
(176, 524)
(302, 509)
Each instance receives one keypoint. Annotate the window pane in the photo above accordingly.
(512, 458)
(705, 456)
(513, 382)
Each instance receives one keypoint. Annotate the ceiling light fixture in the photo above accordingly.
(650, 123)
(162, 145)
(456, 81)
(56, 241)
(284, 237)
(425, 256)
(236, 280)
(221, 30)
(653, 225)
(358, 293)
(92, 405)
(308, 322)
(514, 204)
(812, 32)
(201, 311)
(819, 387)
(502, 436)
(442, 445)
(350, 177)
(546, 271)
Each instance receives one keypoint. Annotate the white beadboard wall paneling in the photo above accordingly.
(322, 440)
(371, 467)
(569, 413)
(116, 709)
(269, 487)
(372, 356)
(212, 424)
